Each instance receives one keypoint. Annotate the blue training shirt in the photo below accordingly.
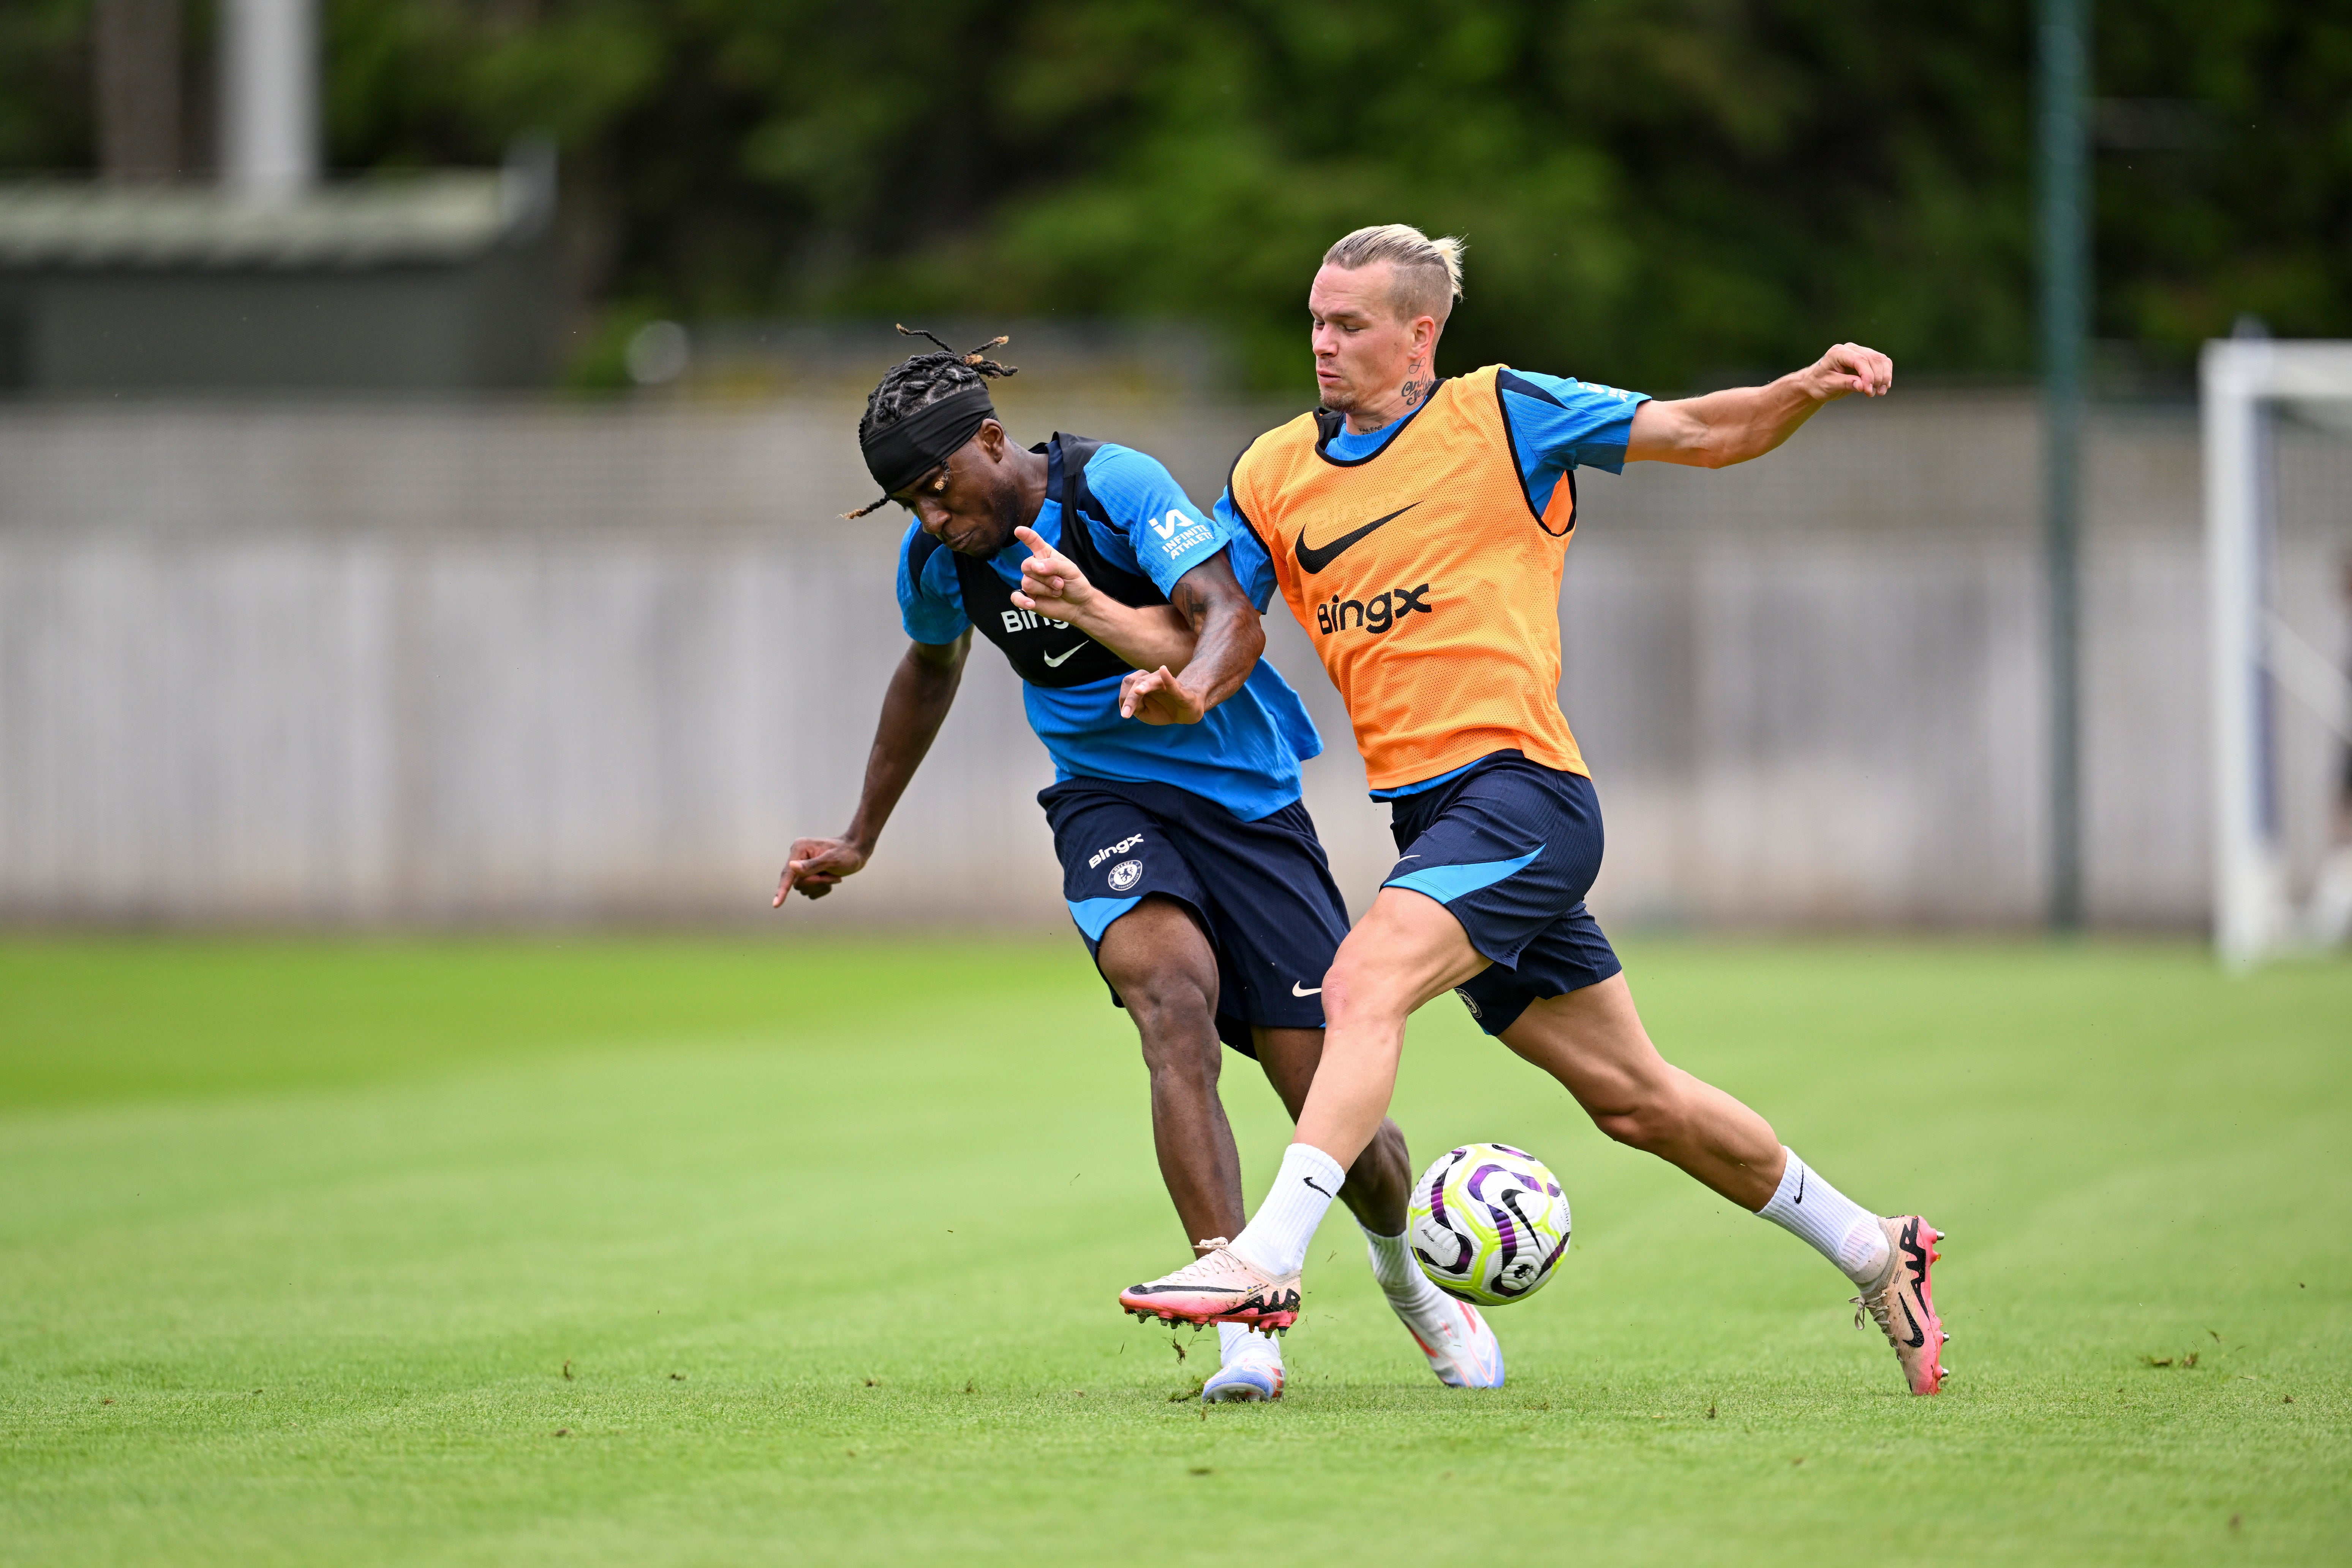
(1244, 754)
(1558, 423)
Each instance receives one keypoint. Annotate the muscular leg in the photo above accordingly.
(1593, 1041)
(1462, 1349)
(1382, 1178)
(1164, 970)
(1409, 948)
(1404, 951)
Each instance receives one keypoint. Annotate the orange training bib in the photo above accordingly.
(1427, 580)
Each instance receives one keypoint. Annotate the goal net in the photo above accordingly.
(2277, 421)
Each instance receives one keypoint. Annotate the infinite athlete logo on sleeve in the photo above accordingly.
(1195, 533)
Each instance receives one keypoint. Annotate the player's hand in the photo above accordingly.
(1850, 368)
(1156, 697)
(816, 864)
(1051, 582)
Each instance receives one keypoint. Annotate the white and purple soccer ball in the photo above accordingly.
(1488, 1222)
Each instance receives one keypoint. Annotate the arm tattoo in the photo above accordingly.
(1191, 604)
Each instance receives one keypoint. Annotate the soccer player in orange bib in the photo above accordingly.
(1417, 528)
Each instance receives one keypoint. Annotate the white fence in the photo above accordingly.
(488, 664)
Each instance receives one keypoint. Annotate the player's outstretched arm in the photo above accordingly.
(1146, 636)
(1744, 422)
(1227, 634)
(921, 691)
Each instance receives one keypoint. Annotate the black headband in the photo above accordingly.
(899, 454)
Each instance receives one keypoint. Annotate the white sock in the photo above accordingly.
(1277, 1237)
(1238, 1343)
(1424, 1307)
(1840, 1229)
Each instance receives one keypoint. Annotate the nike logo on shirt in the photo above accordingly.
(1313, 558)
(1298, 990)
(1054, 663)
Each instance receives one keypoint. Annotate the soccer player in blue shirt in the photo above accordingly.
(1189, 862)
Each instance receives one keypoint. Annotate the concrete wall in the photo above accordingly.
(506, 663)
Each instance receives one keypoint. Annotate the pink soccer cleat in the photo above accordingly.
(1219, 1287)
(1903, 1303)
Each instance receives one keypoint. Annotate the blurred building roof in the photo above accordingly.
(426, 218)
(421, 282)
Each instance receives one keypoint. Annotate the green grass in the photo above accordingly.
(658, 1253)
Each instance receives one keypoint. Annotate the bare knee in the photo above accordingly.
(1640, 1128)
(1178, 1023)
(1158, 961)
(1649, 1117)
(1358, 992)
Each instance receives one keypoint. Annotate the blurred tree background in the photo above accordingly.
(1658, 193)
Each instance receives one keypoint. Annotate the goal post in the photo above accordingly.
(2253, 655)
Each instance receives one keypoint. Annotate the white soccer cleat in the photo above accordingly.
(1466, 1353)
(1245, 1382)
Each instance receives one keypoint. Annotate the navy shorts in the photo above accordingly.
(1262, 890)
(1510, 849)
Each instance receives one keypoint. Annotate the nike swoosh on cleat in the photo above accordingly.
(1917, 1337)
(1298, 990)
(1313, 559)
(1054, 663)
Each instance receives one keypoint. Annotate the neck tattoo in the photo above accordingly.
(1418, 385)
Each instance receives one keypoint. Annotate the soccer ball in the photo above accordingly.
(1488, 1222)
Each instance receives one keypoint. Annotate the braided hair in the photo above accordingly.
(921, 380)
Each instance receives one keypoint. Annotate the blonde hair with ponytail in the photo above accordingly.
(1428, 271)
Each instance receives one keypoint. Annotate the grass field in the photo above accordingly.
(669, 1252)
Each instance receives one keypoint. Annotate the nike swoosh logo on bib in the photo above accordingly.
(1313, 558)
(1052, 663)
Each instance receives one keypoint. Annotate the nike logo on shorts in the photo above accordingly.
(1052, 663)
(1312, 558)
(1298, 990)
